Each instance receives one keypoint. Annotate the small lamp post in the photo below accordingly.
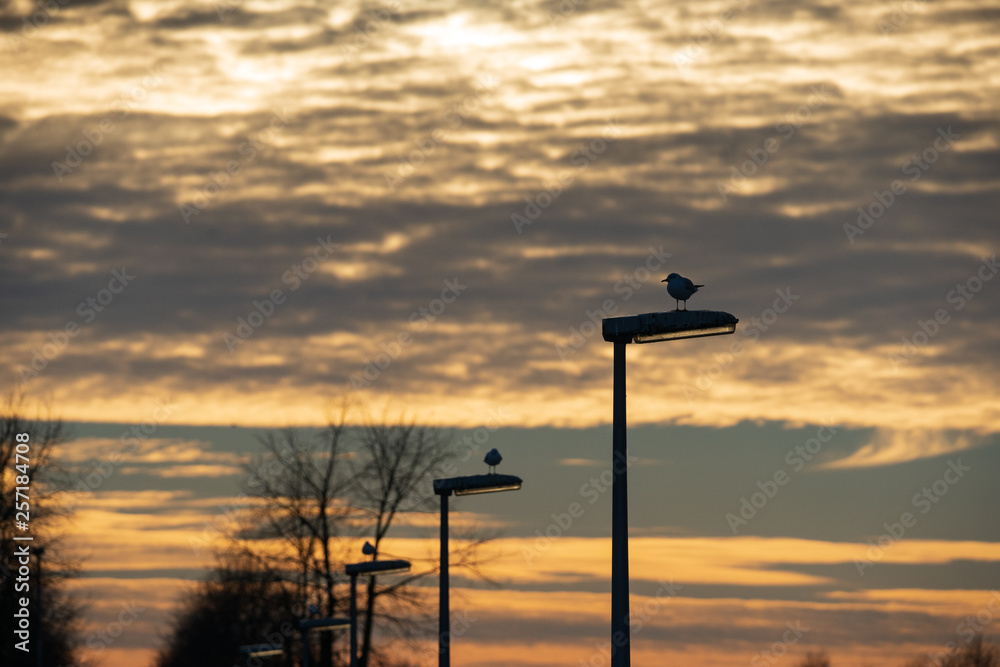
(370, 568)
(259, 651)
(645, 328)
(318, 624)
(460, 486)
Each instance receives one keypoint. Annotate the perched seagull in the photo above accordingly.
(680, 288)
(493, 459)
(368, 549)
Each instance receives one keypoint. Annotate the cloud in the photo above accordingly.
(588, 463)
(894, 446)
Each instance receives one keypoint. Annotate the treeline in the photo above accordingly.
(974, 653)
(36, 611)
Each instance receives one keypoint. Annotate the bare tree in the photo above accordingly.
(317, 493)
(30, 484)
(975, 654)
(397, 460)
(302, 481)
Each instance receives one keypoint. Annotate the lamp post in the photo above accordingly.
(259, 651)
(645, 328)
(460, 486)
(307, 624)
(370, 568)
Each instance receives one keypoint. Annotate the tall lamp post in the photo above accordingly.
(370, 568)
(460, 486)
(645, 328)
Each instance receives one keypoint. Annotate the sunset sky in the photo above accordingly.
(221, 217)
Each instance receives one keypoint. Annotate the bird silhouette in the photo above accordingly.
(493, 459)
(368, 549)
(680, 288)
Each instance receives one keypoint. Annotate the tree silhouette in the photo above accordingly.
(819, 659)
(315, 496)
(242, 602)
(974, 654)
(57, 629)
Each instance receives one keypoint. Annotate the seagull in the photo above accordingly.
(493, 459)
(680, 288)
(368, 549)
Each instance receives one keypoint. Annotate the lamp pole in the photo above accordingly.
(646, 328)
(370, 568)
(620, 634)
(307, 624)
(354, 619)
(259, 651)
(444, 601)
(460, 486)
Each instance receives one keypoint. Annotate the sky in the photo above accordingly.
(236, 214)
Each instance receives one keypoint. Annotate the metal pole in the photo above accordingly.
(620, 639)
(305, 647)
(444, 611)
(354, 620)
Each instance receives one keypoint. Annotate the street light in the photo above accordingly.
(460, 486)
(370, 568)
(259, 651)
(645, 328)
(318, 624)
